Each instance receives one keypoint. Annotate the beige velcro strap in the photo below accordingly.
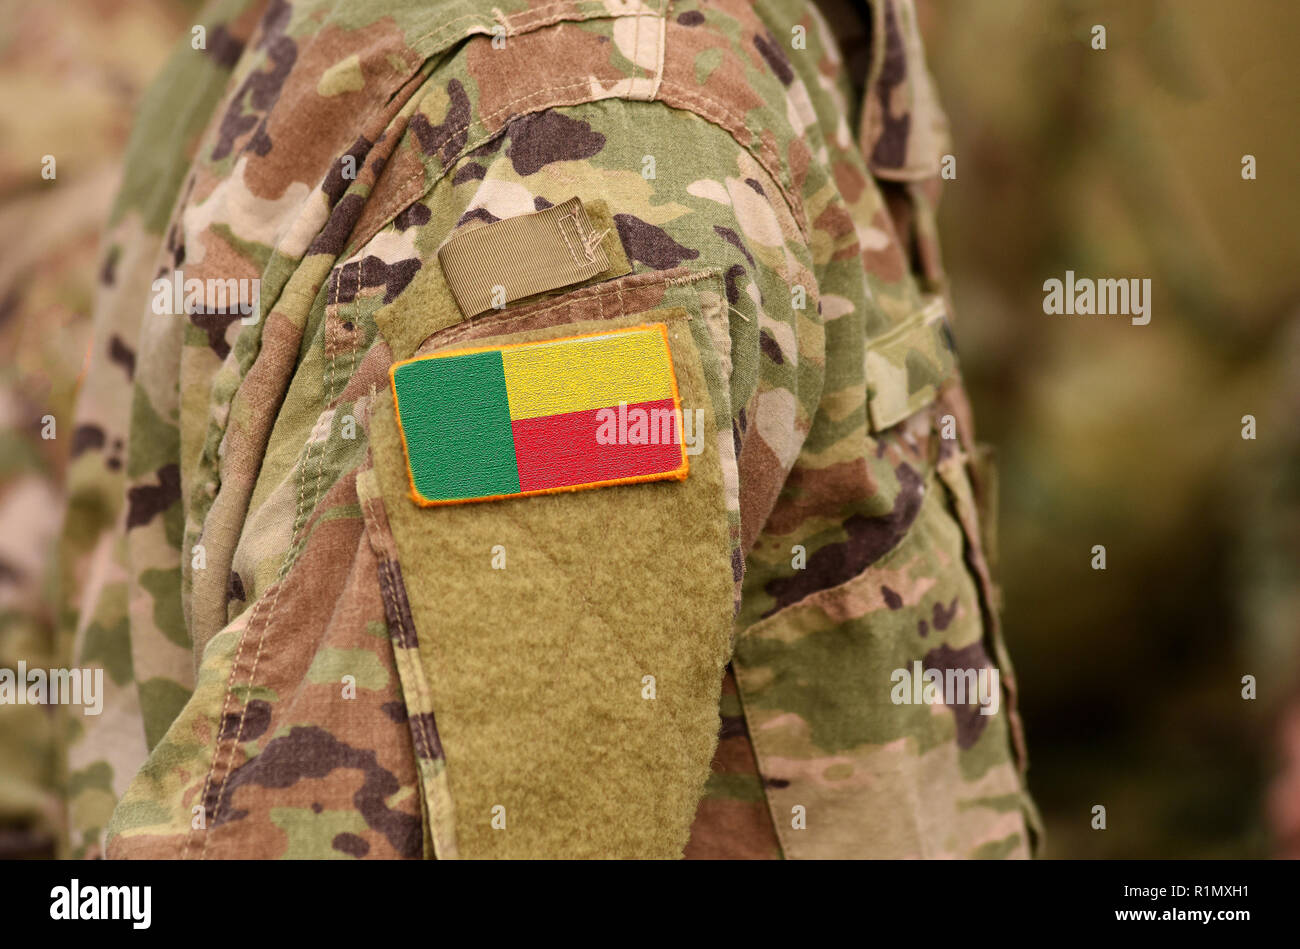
(516, 257)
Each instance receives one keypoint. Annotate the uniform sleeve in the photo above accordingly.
(122, 518)
(571, 647)
(594, 413)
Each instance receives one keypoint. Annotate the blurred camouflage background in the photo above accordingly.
(1127, 162)
(1114, 163)
(71, 73)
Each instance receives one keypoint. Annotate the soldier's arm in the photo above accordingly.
(409, 635)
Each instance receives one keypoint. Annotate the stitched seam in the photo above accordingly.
(378, 109)
(918, 319)
(443, 830)
(289, 559)
(220, 424)
(282, 573)
(464, 328)
(481, 122)
(521, 20)
(752, 734)
(591, 243)
(518, 22)
(660, 44)
(694, 276)
(727, 114)
(216, 753)
(422, 173)
(522, 16)
(622, 306)
(559, 226)
(759, 148)
(448, 27)
(636, 46)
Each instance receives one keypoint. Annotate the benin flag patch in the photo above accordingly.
(536, 418)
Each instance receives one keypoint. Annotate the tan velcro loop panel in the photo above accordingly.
(518, 257)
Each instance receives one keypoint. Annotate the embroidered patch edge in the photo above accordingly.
(679, 473)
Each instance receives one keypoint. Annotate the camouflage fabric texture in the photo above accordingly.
(302, 664)
(68, 96)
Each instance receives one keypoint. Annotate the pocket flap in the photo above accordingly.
(562, 653)
(908, 365)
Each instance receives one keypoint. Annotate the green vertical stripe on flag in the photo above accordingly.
(456, 417)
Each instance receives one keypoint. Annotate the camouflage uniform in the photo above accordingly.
(304, 663)
(71, 100)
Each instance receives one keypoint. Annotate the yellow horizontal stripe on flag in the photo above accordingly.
(587, 372)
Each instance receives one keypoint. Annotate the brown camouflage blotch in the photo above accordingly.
(534, 72)
(146, 501)
(819, 492)
(651, 245)
(869, 539)
(540, 138)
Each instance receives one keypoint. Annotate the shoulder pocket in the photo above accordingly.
(561, 653)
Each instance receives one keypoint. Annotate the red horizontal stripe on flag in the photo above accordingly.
(556, 451)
